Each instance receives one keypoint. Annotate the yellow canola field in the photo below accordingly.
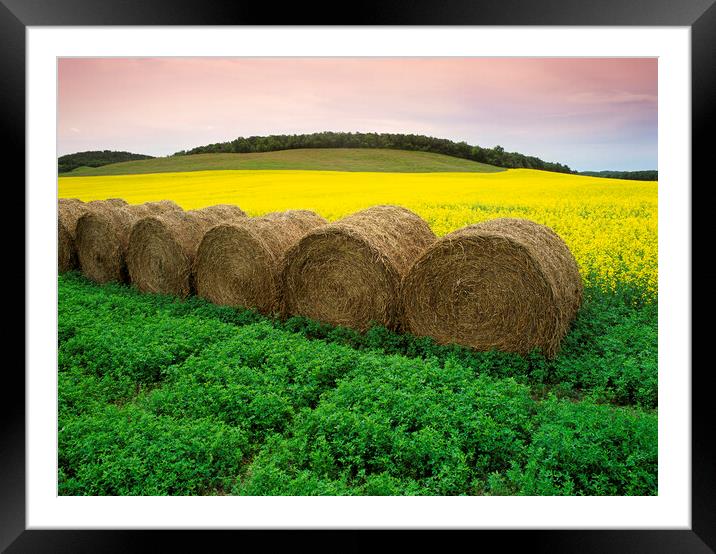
(609, 224)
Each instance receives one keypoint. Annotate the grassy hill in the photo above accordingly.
(496, 156)
(323, 159)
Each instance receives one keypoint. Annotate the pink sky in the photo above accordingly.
(590, 113)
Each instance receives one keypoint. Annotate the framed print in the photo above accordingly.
(426, 269)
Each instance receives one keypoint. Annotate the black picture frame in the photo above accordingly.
(16, 15)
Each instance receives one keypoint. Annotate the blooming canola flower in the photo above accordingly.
(610, 225)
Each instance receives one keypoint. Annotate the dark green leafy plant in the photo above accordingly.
(127, 451)
(588, 449)
(396, 422)
(162, 396)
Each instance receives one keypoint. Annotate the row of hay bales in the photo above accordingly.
(506, 284)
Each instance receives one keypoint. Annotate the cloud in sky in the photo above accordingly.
(590, 113)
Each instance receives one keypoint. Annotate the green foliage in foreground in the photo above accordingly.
(160, 396)
(400, 426)
(131, 452)
(609, 355)
(380, 436)
(586, 449)
(256, 379)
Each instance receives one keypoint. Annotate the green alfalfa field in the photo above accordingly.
(161, 396)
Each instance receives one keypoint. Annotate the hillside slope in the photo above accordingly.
(389, 141)
(321, 159)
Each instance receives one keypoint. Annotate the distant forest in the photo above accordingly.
(646, 175)
(496, 156)
(421, 143)
(95, 158)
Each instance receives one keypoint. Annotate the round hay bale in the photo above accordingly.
(118, 202)
(505, 284)
(103, 233)
(348, 273)
(162, 248)
(238, 263)
(69, 211)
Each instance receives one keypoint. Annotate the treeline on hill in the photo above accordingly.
(493, 156)
(646, 175)
(95, 158)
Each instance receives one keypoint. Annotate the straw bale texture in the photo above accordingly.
(69, 211)
(348, 273)
(162, 248)
(103, 233)
(505, 284)
(238, 263)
